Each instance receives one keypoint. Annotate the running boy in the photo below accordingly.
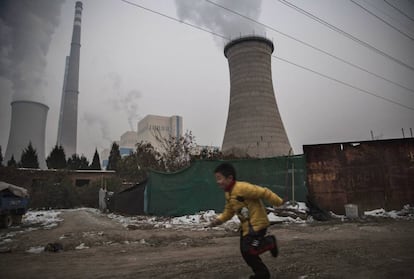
(244, 199)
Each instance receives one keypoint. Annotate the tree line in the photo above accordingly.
(55, 160)
(175, 154)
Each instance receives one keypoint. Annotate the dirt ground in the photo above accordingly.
(361, 249)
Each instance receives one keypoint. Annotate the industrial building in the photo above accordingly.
(161, 126)
(28, 121)
(148, 128)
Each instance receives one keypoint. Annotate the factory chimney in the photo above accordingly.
(68, 120)
(28, 125)
(254, 127)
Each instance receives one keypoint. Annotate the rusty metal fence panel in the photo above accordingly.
(371, 174)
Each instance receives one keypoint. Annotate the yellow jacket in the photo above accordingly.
(249, 196)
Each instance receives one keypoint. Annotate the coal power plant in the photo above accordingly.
(29, 117)
(68, 118)
(254, 127)
(28, 125)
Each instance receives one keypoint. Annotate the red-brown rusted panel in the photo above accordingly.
(371, 174)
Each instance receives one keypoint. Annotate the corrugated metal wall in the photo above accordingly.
(371, 174)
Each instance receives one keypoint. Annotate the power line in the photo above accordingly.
(387, 23)
(390, 14)
(284, 60)
(344, 83)
(346, 34)
(399, 10)
(175, 19)
(309, 45)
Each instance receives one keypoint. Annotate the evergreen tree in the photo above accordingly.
(73, 162)
(96, 162)
(77, 163)
(57, 158)
(1, 158)
(83, 163)
(114, 157)
(12, 163)
(29, 158)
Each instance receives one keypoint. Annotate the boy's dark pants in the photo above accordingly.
(254, 261)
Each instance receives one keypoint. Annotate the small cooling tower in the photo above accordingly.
(254, 126)
(28, 124)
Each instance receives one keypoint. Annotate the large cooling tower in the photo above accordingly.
(68, 122)
(28, 124)
(254, 126)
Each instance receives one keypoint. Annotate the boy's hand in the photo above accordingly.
(214, 223)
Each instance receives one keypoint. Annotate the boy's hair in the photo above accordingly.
(226, 169)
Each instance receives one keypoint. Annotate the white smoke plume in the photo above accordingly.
(126, 103)
(130, 103)
(95, 122)
(26, 29)
(222, 21)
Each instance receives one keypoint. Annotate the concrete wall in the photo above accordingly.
(26, 177)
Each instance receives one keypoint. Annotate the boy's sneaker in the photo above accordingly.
(275, 250)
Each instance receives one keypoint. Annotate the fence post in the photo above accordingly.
(293, 181)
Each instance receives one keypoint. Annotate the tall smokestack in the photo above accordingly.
(254, 126)
(68, 122)
(62, 100)
(28, 124)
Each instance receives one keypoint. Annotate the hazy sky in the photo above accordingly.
(134, 63)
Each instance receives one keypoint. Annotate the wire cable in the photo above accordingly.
(399, 10)
(279, 58)
(379, 18)
(344, 83)
(309, 45)
(346, 34)
(175, 19)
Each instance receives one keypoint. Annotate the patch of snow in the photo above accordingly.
(274, 218)
(36, 250)
(199, 218)
(407, 213)
(46, 218)
(81, 246)
(336, 216)
(6, 240)
(298, 206)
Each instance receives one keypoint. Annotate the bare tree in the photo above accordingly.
(135, 166)
(175, 151)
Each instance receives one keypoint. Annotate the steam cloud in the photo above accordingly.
(221, 21)
(26, 29)
(93, 120)
(128, 103)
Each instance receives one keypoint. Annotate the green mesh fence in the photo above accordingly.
(194, 189)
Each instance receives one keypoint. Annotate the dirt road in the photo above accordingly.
(361, 249)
